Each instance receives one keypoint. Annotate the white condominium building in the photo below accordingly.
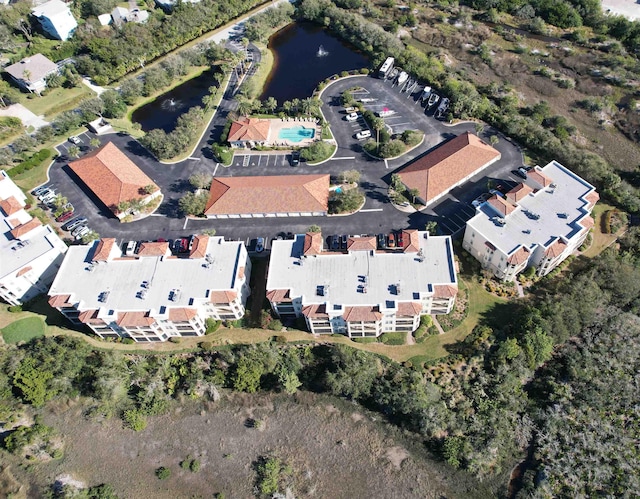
(538, 223)
(153, 295)
(362, 291)
(30, 253)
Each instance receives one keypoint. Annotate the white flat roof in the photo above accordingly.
(541, 216)
(15, 255)
(122, 278)
(344, 273)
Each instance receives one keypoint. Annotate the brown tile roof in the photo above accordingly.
(37, 65)
(14, 222)
(59, 300)
(361, 244)
(537, 176)
(103, 249)
(222, 296)
(312, 243)
(112, 176)
(362, 313)
(315, 311)
(592, 198)
(25, 228)
(409, 309)
(134, 319)
(153, 249)
(279, 295)
(441, 169)
(182, 314)
(276, 194)
(10, 206)
(411, 240)
(519, 192)
(445, 291)
(520, 256)
(90, 317)
(249, 129)
(587, 222)
(502, 206)
(199, 248)
(23, 270)
(556, 249)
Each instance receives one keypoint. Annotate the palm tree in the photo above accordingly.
(270, 104)
(377, 124)
(73, 151)
(494, 140)
(245, 106)
(94, 143)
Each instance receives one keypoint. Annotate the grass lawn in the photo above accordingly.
(23, 329)
(57, 100)
(264, 68)
(600, 239)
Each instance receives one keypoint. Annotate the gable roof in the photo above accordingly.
(361, 243)
(540, 178)
(112, 176)
(556, 249)
(199, 247)
(409, 309)
(518, 257)
(153, 248)
(312, 243)
(222, 296)
(249, 129)
(10, 206)
(592, 198)
(103, 249)
(279, 295)
(316, 311)
(89, 316)
(445, 291)
(519, 192)
(411, 240)
(37, 67)
(133, 319)
(182, 314)
(502, 206)
(272, 194)
(25, 228)
(440, 170)
(59, 300)
(362, 313)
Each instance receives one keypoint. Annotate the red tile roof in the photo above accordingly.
(587, 222)
(362, 313)
(112, 176)
(445, 291)
(411, 240)
(279, 295)
(10, 206)
(556, 249)
(537, 176)
(25, 228)
(249, 129)
(59, 300)
(103, 249)
(182, 314)
(519, 192)
(312, 243)
(502, 206)
(361, 243)
(199, 248)
(592, 198)
(90, 317)
(438, 171)
(154, 249)
(14, 222)
(315, 311)
(23, 270)
(276, 194)
(409, 309)
(222, 296)
(520, 256)
(134, 319)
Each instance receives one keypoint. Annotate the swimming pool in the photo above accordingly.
(296, 133)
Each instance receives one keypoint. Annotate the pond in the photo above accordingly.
(164, 111)
(305, 54)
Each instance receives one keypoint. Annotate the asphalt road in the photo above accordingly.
(377, 215)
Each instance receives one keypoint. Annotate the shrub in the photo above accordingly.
(318, 151)
(268, 475)
(367, 339)
(128, 341)
(163, 473)
(396, 338)
(32, 162)
(275, 325)
(135, 419)
(211, 325)
(281, 339)
(15, 308)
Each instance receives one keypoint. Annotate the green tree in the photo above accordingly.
(114, 104)
(452, 450)
(73, 151)
(248, 372)
(349, 177)
(135, 419)
(163, 473)
(289, 381)
(314, 228)
(414, 193)
(94, 143)
(537, 347)
(32, 382)
(193, 204)
(200, 180)
(270, 104)
(431, 227)
(269, 469)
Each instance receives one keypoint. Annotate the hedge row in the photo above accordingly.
(32, 162)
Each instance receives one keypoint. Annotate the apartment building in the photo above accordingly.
(30, 253)
(537, 224)
(56, 19)
(153, 295)
(362, 291)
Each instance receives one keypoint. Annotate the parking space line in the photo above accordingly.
(343, 157)
(446, 226)
(245, 160)
(460, 218)
(186, 221)
(216, 169)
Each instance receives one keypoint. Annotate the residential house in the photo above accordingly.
(120, 15)
(153, 295)
(271, 196)
(31, 72)
(447, 166)
(168, 5)
(30, 253)
(362, 292)
(249, 132)
(538, 224)
(115, 180)
(56, 19)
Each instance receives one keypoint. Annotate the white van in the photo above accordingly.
(363, 134)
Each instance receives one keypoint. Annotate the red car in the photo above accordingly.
(400, 241)
(391, 240)
(65, 216)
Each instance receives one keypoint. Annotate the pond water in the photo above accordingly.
(166, 109)
(306, 54)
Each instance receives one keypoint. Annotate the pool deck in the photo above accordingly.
(279, 124)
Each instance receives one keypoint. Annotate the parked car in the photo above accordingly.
(480, 199)
(45, 193)
(352, 117)
(521, 172)
(39, 190)
(80, 232)
(382, 241)
(335, 242)
(295, 158)
(184, 245)
(343, 241)
(131, 248)
(260, 245)
(363, 134)
(351, 110)
(64, 217)
(496, 192)
(400, 240)
(391, 240)
(76, 222)
(49, 198)
(75, 140)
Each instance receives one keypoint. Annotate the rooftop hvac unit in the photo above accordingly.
(103, 296)
(501, 221)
